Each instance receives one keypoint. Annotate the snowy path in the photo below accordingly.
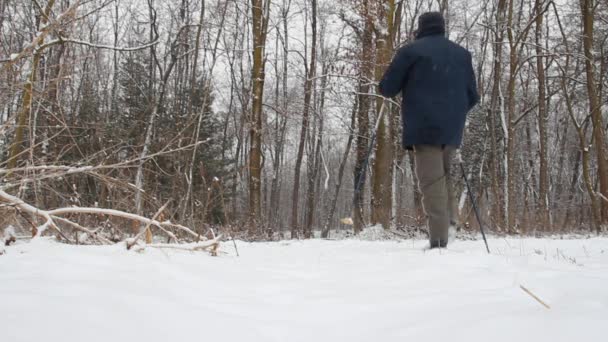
(307, 291)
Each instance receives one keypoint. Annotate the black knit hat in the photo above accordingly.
(431, 21)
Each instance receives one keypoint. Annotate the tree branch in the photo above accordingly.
(108, 47)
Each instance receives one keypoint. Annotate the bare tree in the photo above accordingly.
(308, 89)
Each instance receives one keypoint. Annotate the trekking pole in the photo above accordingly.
(466, 181)
(369, 152)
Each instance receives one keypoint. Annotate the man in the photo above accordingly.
(436, 79)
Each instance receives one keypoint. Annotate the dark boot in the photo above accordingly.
(438, 244)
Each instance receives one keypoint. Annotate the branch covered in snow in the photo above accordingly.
(125, 215)
(38, 40)
(109, 47)
(50, 218)
(210, 246)
(48, 221)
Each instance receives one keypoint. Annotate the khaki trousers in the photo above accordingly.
(433, 172)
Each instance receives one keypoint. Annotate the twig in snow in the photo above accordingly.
(235, 248)
(534, 296)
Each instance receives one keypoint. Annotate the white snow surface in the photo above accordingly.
(317, 290)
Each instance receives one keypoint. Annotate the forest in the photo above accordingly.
(179, 119)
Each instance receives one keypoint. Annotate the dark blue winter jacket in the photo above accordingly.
(437, 83)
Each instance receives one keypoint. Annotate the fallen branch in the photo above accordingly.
(210, 246)
(534, 296)
(117, 213)
(31, 210)
(50, 216)
(34, 229)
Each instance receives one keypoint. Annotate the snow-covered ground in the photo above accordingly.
(315, 290)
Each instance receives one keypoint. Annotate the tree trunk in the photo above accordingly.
(496, 106)
(28, 89)
(382, 191)
(588, 13)
(366, 73)
(313, 177)
(543, 186)
(259, 12)
(308, 84)
(347, 150)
